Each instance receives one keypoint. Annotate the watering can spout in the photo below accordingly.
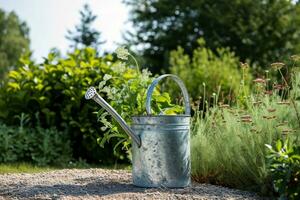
(91, 93)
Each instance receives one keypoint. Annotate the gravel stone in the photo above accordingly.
(69, 184)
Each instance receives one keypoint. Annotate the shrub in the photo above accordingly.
(228, 145)
(36, 145)
(54, 90)
(217, 71)
(284, 167)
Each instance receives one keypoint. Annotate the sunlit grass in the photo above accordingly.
(23, 168)
(30, 168)
(228, 144)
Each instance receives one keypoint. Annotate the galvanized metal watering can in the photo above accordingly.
(161, 143)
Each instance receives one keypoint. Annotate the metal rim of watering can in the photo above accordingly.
(180, 84)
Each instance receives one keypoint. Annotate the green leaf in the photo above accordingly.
(269, 147)
(120, 142)
(164, 97)
(173, 110)
(14, 86)
(278, 145)
(51, 56)
(297, 157)
(69, 62)
(14, 75)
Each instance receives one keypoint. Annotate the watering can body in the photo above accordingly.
(163, 159)
(161, 143)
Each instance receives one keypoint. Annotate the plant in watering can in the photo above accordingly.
(161, 142)
(125, 90)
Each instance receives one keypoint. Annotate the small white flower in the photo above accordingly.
(107, 77)
(35, 80)
(119, 68)
(122, 53)
(26, 67)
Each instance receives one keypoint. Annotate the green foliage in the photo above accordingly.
(23, 168)
(126, 92)
(36, 145)
(14, 40)
(84, 35)
(228, 145)
(54, 91)
(284, 167)
(261, 31)
(206, 73)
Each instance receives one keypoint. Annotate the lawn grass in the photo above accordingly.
(30, 168)
(23, 168)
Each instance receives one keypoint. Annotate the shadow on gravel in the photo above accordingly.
(95, 188)
(102, 188)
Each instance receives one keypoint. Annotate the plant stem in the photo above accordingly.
(244, 89)
(283, 78)
(296, 110)
(204, 98)
(136, 63)
(292, 100)
(294, 104)
(285, 82)
(218, 94)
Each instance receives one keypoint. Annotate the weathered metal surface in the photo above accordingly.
(161, 147)
(163, 160)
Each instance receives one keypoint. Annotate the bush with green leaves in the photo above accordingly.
(35, 145)
(284, 168)
(54, 91)
(228, 144)
(218, 72)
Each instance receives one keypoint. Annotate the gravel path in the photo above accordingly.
(101, 184)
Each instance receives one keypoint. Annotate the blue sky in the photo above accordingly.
(49, 21)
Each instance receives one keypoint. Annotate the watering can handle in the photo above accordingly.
(181, 85)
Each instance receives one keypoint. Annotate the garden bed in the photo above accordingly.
(101, 183)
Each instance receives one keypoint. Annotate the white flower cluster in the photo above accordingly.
(122, 53)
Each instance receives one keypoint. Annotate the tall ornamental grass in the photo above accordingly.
(228, 143)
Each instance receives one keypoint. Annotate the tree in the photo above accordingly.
(14, 40)
(261, 31)
(84, 35)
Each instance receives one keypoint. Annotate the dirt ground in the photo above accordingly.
(102, 184)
